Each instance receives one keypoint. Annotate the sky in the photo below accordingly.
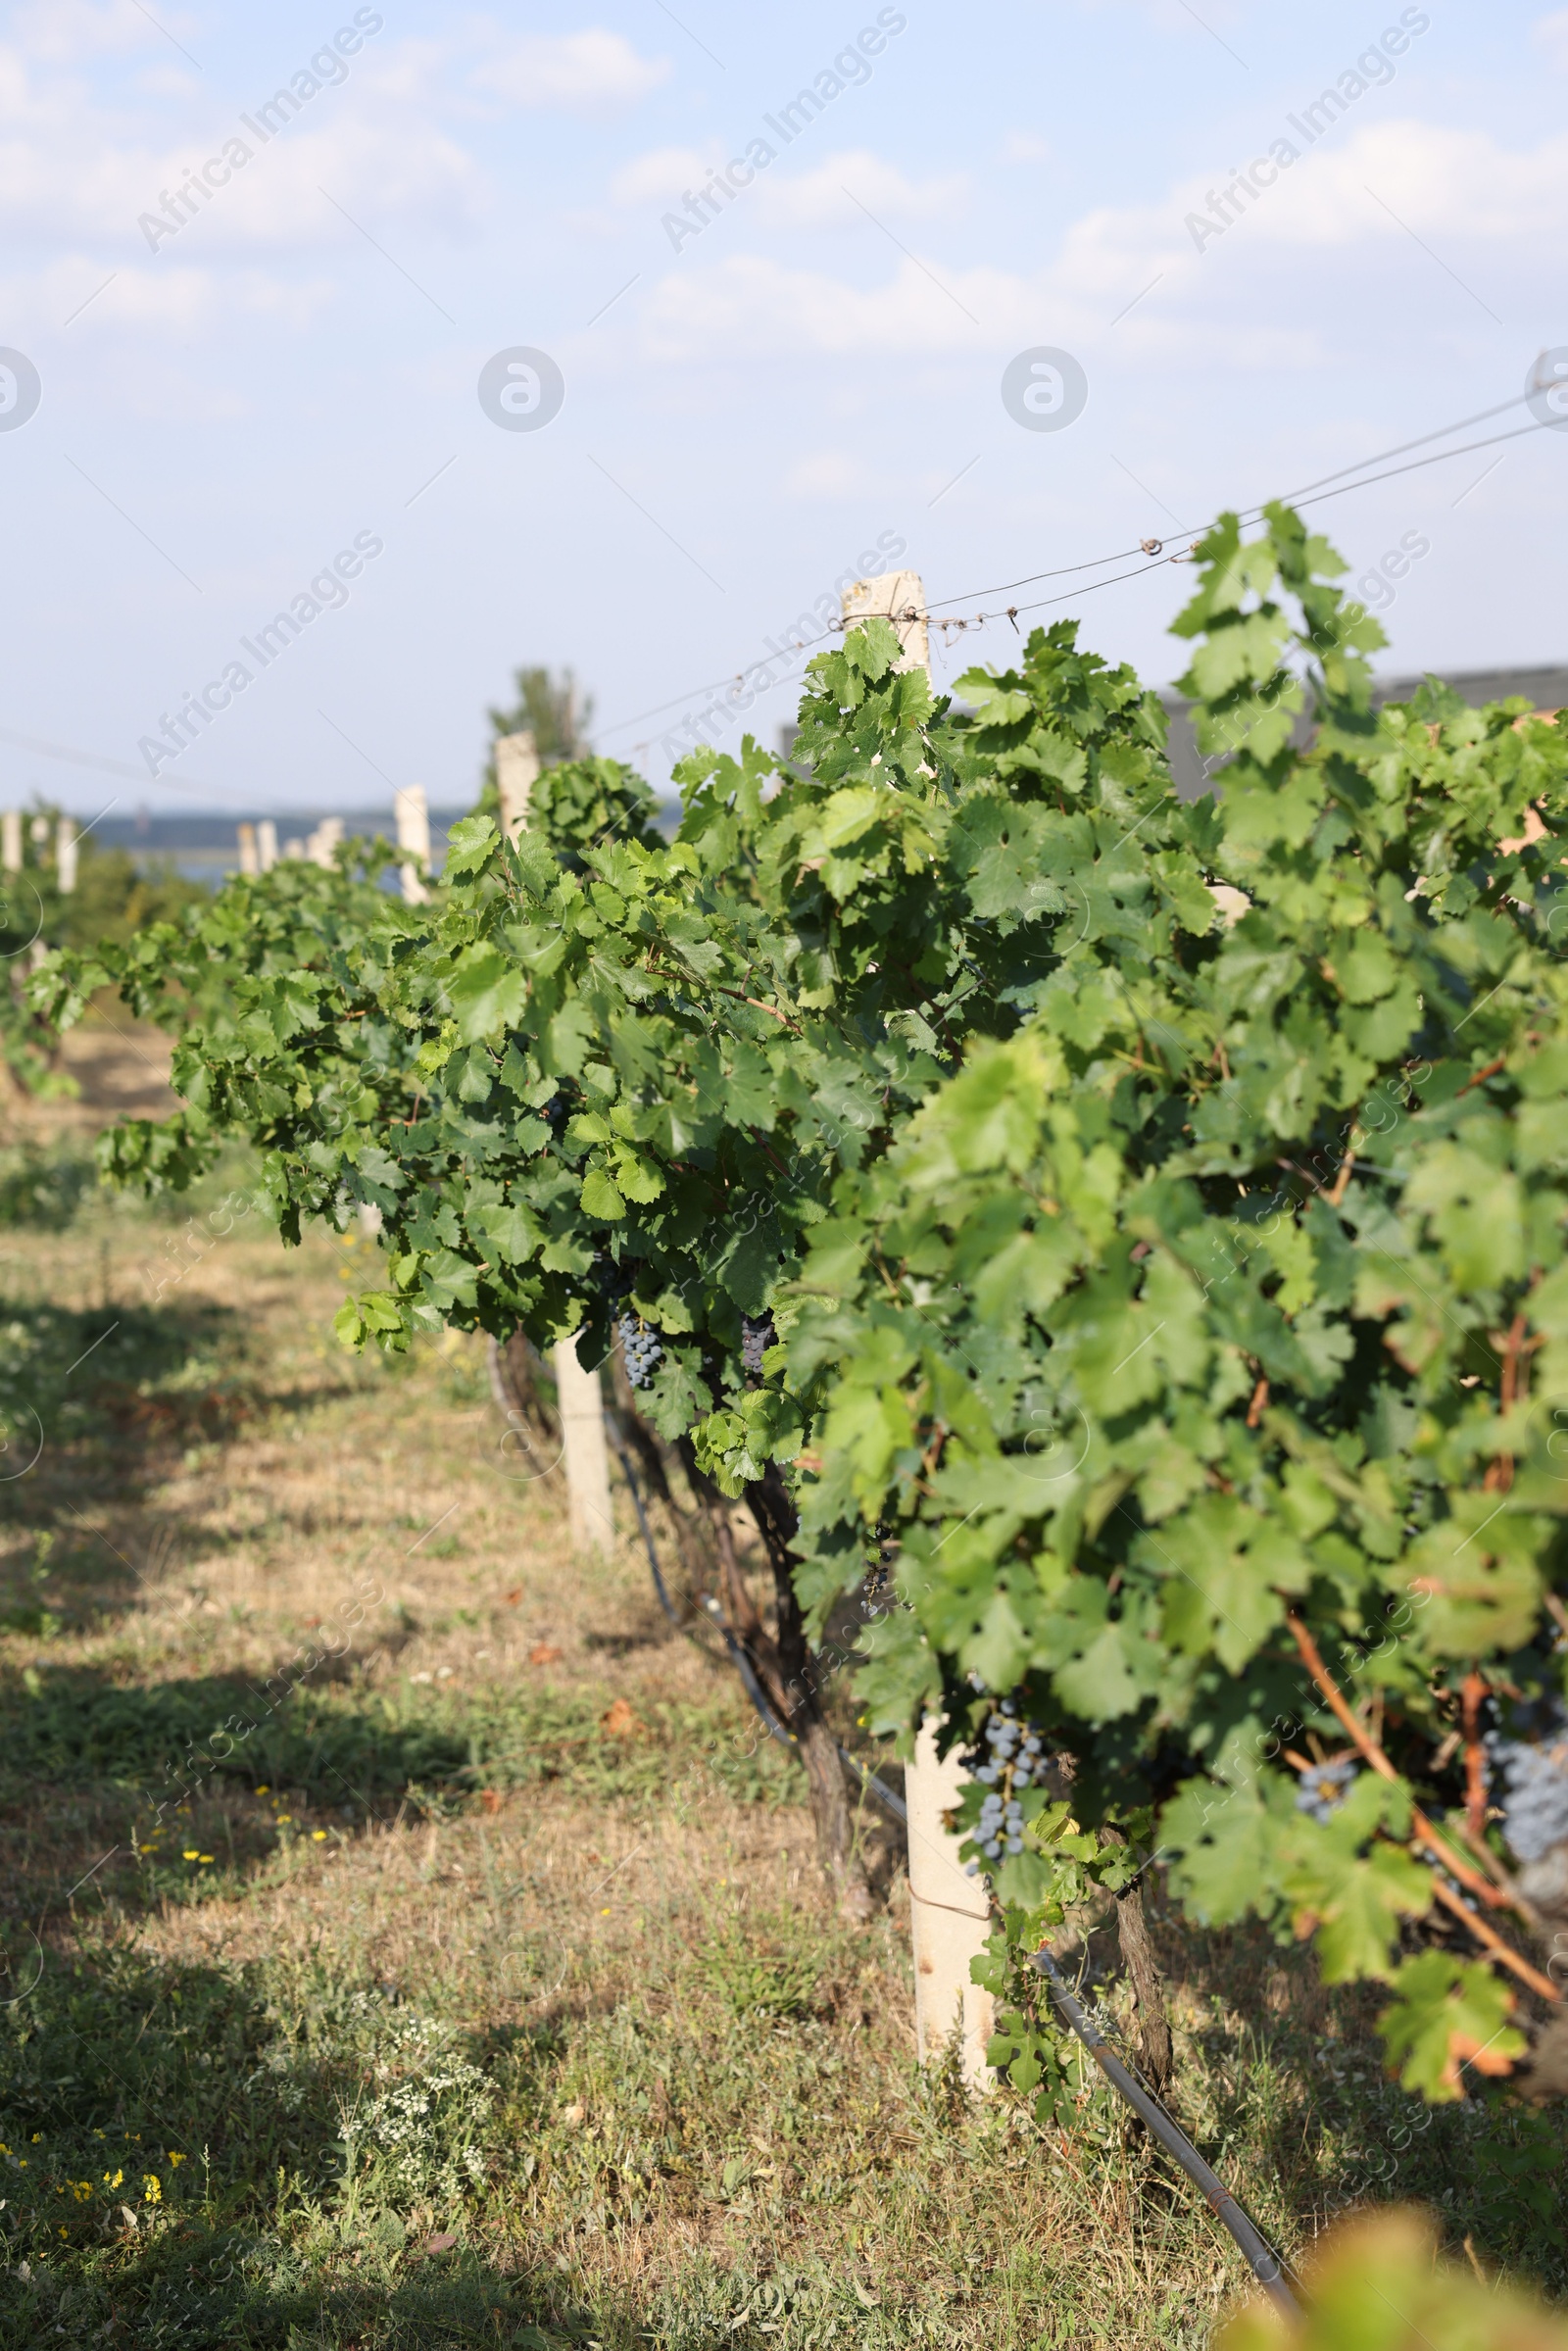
(581, 336)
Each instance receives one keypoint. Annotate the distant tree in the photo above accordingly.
(552, 710)
(115, 897)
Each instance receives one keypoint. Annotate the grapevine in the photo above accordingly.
(936, 1059)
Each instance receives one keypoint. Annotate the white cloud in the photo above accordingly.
(1022, 147)
(748, 304)
(15, 96)
(1551, 35)
(1486, 209)
(378, 163)
(74, 290)
(1452, 182)
(168, 81)
(574, 69)
(70, 169)
(376, 168)
(63, 32)
(659, 176)
(78, 296)
(748, 307)
(826, 197)
(407, 73)
(1456, 188)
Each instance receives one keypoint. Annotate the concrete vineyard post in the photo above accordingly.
(66, 854)
(414, 835)
(587, 1455)
(321, 844)
(582, 1408)
(949, 1916)
(265, 844)
(516, 772)
(900, 596)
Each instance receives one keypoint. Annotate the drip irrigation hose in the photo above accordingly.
(888, 1797)
(624, 1459)
(743, 1665)
(1265, 2264)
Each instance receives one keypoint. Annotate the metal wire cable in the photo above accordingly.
(1461, 424)
(1310, 494)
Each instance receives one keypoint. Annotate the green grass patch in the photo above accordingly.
(43, 1186)
(363, 2168)
(71, 1728)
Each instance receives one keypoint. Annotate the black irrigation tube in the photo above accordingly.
(743, 1665)
(890, 1800)
(1265, 2263)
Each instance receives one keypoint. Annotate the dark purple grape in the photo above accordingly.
(641, 1346)
(756, 1336)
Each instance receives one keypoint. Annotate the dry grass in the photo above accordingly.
(485, 1983)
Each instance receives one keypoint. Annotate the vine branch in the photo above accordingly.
(1430, 1836)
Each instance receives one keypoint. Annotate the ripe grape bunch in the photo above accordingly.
(642, 1347)
(1535, 1815)
(1324, 1788)
(755, 1337)
(1016, 1760)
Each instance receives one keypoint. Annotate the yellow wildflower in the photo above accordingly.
(190, 1855)
(152, 2188)
(318, 1835)
(174, 2158)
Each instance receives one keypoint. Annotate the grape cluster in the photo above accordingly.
(1535, 1815)
(641, 1346)
(1324, 1788)
(1016, 1760)
(755, 1337)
